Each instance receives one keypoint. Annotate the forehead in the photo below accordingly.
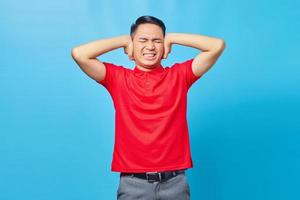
(149, 31)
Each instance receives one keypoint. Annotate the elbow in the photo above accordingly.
(75, 53)
(221, 45)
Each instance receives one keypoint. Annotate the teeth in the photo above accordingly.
(149, 54)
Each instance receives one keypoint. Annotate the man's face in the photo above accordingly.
(148, 45)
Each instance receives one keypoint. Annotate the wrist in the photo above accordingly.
(169, 37)
(125, 40)
(174, 38)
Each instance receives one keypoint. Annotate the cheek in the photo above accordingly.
(160, 49)
(137, 49)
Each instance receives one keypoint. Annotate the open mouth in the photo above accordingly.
(149, 55)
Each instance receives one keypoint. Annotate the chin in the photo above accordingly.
(149, 66)
(150, 63)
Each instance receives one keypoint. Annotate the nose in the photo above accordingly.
(150, 45)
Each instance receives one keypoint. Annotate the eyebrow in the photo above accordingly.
(144, 38)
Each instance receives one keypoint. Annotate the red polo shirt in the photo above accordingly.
(151, 130)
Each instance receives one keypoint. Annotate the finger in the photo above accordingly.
(131, 57)
(131, 51)
(166, 56)
(167, 50)
(166, 53)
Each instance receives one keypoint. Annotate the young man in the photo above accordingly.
(152, 148)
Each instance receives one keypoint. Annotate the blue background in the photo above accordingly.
(57, 124)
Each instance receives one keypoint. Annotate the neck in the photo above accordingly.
(147, 69)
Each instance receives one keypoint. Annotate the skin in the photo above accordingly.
(148, 38)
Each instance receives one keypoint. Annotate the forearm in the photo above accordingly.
(201, 42)
(99, 47)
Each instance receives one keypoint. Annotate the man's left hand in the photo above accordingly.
(167, 46)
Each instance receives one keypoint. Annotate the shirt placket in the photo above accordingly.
(147, 84)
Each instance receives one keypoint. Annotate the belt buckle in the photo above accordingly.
(153, 173)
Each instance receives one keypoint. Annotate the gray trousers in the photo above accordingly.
(133, 188)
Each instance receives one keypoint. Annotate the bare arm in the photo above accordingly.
(85, 55)
(211, 49)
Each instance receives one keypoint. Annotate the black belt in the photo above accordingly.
(155, 176)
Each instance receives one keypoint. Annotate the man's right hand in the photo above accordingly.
(85, 55)
(128, 49)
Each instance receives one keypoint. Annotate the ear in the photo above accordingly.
(167, 49)
(131, 57)
(130, 50)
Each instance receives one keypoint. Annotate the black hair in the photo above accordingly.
(147, 19)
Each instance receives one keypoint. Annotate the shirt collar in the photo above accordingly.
(157, 70)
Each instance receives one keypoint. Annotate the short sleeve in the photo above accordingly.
(112, 72)
(185, 69)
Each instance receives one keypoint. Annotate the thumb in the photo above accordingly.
(131, 57)
(130, 52)
(166, 51)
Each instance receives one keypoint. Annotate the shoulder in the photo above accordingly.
(113, 73)
(182, 65)
(113, 69)
(113, 66)
(184, 70)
